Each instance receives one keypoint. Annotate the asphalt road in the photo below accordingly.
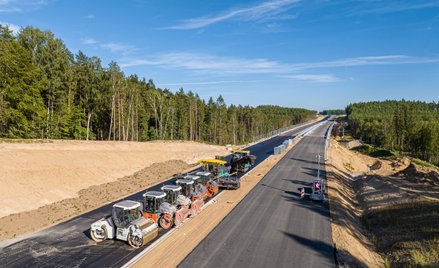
(272, 227)
(69, 245)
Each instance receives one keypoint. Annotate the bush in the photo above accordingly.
(375, 151)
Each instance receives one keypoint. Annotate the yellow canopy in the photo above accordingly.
(213, 161)
(241, 151)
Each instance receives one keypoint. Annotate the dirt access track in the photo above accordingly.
(44, 183)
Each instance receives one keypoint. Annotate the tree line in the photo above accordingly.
(406, 126)
(47, 92)
(333, 112)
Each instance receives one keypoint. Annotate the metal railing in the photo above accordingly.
(276, 132)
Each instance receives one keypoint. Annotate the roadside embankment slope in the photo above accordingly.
(382, 210)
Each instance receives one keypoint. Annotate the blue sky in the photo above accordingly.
(317, 54)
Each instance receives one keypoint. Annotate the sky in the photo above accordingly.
(316, 54)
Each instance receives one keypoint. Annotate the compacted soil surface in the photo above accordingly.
(42, 183)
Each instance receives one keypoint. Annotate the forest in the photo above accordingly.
(409, 127)
(46, 92)
(333, 112)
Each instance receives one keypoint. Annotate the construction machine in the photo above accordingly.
(181, 202)
(229, 181)
(127, 224)
(198, 185)
(189, 190)
(242, 161)
(222, 174)
(215, 166)
(207, 179)
(156, 207)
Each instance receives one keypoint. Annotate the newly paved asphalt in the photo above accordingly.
(68, 244)
(272, 227)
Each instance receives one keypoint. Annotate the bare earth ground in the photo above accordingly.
(391, 209)
(172, 250)
(44, 183)
(354, 248)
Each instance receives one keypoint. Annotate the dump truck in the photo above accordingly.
(208, 180)
(165, 211)
(126, 223)
(189, 190)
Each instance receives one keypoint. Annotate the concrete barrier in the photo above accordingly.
(279, 149)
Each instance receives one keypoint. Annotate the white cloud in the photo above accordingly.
(11, 6)
(365, 61)
(382, 7)
(206, 63)
(89, 41)
(122, 48)
(14, 28)
(264, 10)
(319, 78)
(209, 63)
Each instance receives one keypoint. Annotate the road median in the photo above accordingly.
(170, 251)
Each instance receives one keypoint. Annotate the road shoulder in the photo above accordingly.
(173, 249)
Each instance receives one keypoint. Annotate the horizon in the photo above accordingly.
(317, 55)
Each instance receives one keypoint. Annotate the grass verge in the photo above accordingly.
(376, 151)
(406, 233)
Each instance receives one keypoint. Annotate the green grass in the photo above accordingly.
(423, 163)
(376, 151)
(407, 234)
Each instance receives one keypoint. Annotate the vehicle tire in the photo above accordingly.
(178, 219)
(135, 240)
(99, 237)
(194, 211)
(196, 208)
(166, 221)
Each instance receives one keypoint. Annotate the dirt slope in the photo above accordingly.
(353, 246)
(38, 174)
(382, 206)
